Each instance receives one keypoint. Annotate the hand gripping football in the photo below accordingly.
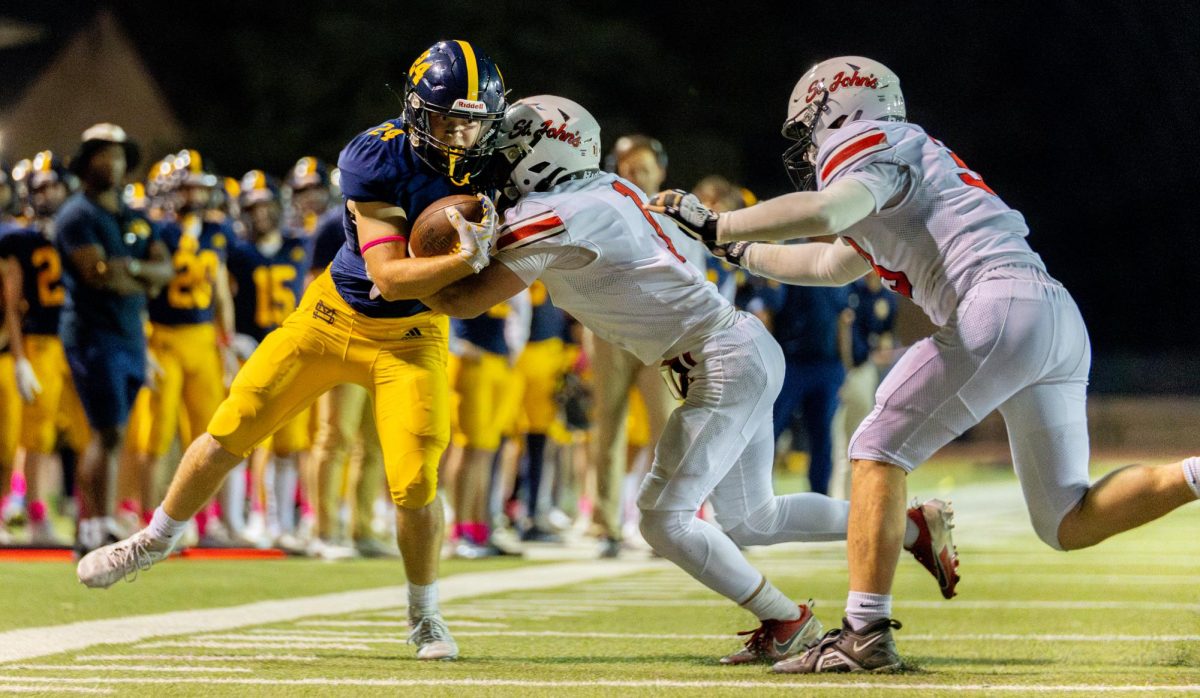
(432, 234)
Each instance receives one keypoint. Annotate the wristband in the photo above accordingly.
(380, 241)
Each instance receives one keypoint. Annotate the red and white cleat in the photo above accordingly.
(776, 640)
(934, 547)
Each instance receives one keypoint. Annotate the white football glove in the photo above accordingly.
(475, 239)
(27, 382)
(154, 372)
(243, 346)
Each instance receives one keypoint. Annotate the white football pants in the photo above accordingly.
(720, 443)
(1017, 343)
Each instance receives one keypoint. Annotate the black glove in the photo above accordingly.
(692, 217)
(731, 252)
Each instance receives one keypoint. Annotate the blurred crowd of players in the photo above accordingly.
(552, 427)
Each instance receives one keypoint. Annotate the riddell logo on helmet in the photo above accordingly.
(469, 105)
(839, 81)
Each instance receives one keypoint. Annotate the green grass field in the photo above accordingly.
(1122, 618)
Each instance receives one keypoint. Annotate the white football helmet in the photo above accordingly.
(830, 95)
(545, 140)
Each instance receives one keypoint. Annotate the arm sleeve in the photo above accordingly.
(885, 181)
(812, 264)
(800, 214)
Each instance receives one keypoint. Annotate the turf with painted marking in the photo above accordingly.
(1122, 617)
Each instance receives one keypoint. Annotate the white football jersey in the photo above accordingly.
(610, 263)
(946, 230)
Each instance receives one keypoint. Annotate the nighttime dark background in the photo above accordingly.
(1082, 115)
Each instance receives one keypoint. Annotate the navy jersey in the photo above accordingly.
(378, 165)
(548, 321)
(80, 223)
(327, 239)
(874, 315)
(485, 331)
(197, 255)
(41, 273)
(266, 287)
(806, 320)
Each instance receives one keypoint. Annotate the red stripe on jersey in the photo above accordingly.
(527, 230)
(849, 150)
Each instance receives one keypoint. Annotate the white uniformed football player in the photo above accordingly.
(1009, 338)
(608, 262)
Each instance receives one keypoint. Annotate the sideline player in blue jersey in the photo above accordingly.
(112, 260)
(362, 323)
(33, 298)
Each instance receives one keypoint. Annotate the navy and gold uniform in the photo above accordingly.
(344, 332)
(183, 338)
(483, 381)
(102, 332)
(542, 363)
(268, 288)
(57, 406)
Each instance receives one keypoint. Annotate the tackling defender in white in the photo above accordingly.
(1010, 337)
(609, 263)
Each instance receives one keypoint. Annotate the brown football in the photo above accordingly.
(432, 234)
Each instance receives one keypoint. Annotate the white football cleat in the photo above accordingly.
(934, 547)
(106, 566)
(432, 638)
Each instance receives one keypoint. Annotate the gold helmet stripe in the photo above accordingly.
(472, 70)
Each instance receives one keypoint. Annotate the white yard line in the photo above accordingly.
(27, 643)
(129, 667)
(888, 683)
(327, 637)
(188, 658)
(390, 623)
(263, 645)
(38, 688)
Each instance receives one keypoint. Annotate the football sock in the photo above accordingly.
(37, 511)
(770, 604)
(535, 457)
(287, 475)
(1191, 472)
(862, 608)
(422, 599)
(233, 500)
(910, 532)
(705, 552)
(164, 528)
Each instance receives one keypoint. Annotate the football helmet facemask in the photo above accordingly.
(453, 103)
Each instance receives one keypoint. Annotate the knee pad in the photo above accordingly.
(752, 529)
(661, 529)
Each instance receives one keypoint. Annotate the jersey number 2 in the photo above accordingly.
(626, 191)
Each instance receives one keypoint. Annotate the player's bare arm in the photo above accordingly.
(107, 274)
(156, 271)
(471, 297)
(397, 275)
(13, 280)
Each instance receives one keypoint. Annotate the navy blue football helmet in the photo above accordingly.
(453, 81)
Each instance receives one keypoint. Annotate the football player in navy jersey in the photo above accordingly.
(268, 271)
(34, 295)
(362, 323)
